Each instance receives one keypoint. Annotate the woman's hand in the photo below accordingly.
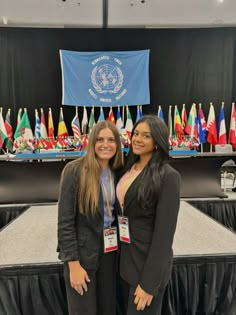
(78, 277)
(142, 298)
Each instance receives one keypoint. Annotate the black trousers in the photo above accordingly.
(100, 299)
(130, 307)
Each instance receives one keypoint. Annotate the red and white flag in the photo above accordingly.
(211, 126)
(232, 129)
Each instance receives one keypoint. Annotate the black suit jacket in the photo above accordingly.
(147, 261)
(80, 237)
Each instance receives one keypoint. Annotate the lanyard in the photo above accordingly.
(108, 201)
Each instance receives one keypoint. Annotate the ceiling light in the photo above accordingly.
(4, 20)
(220, 1)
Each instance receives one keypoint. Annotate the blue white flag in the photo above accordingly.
(105, 78)
(160, 113)
(101, 116)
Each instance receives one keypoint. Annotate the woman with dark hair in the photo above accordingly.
(87, 236)
(149, 198)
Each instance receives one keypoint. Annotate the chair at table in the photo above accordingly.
(228, 167)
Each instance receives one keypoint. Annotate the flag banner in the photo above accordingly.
(105, 78)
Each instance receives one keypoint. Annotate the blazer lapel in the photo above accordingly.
(131, 194)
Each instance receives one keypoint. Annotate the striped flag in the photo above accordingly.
(191, 126)
(43, 128)
(62, 131)
(221, 127)
(75, 125)
(50, 124)
(129, 123)
(37, 125)
(177, 123)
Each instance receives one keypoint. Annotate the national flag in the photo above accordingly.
(160, 113)
(201, 123)
(85, 122)
(91, 120)
(111, 117)
(139, 113)
(129, 123)
(43, 128)
(50, 124)
(184, 118)
(101, 116)
(23, 130)
(19, 116)
(119, 122)
(103, 78)
(191, 126)
(177, 123)
(37, 125)
(221, 127)
(75, 125)
(211, 126)
(232, 129)
(62, 130)
(170, 123)
(8, 125)
(3, 132)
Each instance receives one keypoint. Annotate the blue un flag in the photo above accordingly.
(105, 78)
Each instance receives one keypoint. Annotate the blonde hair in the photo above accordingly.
(90, 170)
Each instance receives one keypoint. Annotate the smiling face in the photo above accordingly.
(105, 146)
(142, 141)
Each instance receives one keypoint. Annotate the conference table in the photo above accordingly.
(35, 177)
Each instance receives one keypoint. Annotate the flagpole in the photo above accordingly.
(123, 114)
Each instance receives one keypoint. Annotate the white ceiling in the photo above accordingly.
(117, 13)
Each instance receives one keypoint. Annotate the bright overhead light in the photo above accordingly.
(220, 1)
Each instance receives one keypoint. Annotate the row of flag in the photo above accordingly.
(184, 130)
(44, 135)
(197, 127)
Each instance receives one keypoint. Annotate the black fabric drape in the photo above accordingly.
(223, 212)
(186, 65)
(198, 286)
(7, 214)
(32, 291)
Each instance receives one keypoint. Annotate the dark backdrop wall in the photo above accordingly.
(186, 66)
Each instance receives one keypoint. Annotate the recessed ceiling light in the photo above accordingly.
(220, 1)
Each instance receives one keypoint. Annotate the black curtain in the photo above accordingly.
(223, 212)
(186, 65)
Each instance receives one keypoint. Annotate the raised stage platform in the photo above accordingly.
(203, 279)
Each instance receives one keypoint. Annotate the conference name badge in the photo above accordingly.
(110, 239)
(123, 223)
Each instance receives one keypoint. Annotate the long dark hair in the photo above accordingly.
(152, 173)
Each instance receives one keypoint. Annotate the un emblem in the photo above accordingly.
(107, 78)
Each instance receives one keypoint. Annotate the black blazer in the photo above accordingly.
(147, 261)
(80, 237)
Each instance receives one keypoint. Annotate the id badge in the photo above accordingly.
(123, 223)
(110, 239)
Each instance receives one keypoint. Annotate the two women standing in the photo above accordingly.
(148, 203)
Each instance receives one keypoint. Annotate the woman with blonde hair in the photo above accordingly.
(87, 233)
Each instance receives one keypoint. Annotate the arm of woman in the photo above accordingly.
(66, 229)
(160, 251)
